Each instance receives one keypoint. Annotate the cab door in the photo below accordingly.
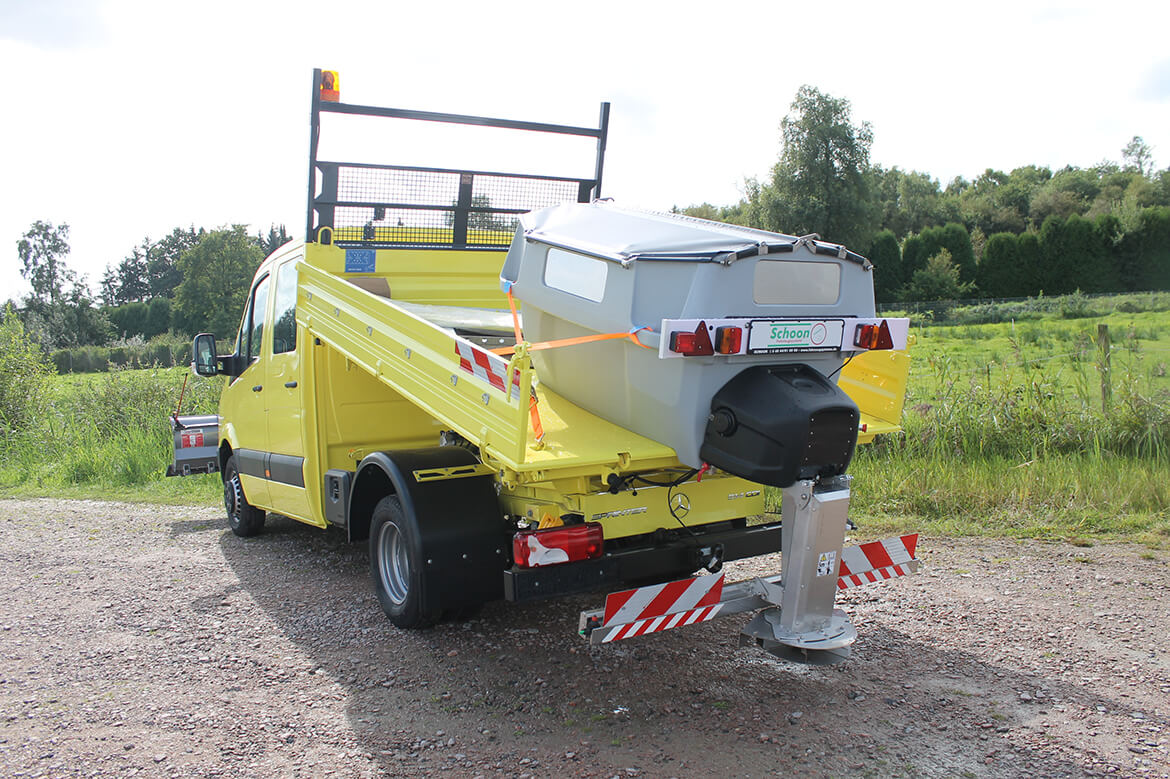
(242, 402)
(284, 404)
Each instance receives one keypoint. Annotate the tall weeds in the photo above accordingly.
(106, 429)
(1026, 407)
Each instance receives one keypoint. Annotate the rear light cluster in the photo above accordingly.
(534, 548)
(873, 336)
(727, 336)
(728, 340)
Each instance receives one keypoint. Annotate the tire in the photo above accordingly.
(244, 519)
(396, 566)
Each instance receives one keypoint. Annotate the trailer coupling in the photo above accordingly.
(797, 621)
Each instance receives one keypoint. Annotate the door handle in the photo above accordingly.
(290, 384)
(257, 388)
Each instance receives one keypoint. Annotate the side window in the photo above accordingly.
(576, 274)
(259, 308)
(284, 318)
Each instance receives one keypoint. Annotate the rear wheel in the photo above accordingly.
(243, 518)
(396, 566)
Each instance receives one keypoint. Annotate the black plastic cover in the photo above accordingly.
(337, 483)
(776, 424)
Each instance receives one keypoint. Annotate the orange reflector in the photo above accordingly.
(330, 88)
(728, 340)
(873, 336)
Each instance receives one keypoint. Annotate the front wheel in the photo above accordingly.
(243, 518)
(396, 566)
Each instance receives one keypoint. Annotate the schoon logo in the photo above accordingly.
(813, 333)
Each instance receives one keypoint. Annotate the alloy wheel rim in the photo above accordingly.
(393, 563)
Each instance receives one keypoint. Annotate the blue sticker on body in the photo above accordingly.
(359, 260)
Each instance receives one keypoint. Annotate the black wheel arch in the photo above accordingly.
(465, 545)
(225, 453)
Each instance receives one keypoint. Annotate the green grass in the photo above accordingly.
(1070, 497)
(1006, 433)
(107, 436)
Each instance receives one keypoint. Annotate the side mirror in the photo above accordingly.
(206, 363)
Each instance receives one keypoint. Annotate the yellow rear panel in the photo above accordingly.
(877, 381)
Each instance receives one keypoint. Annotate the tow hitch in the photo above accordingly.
(796, 619)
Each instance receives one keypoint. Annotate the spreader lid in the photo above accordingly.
(601, 229)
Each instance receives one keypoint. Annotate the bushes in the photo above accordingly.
(163, 351)
(24, 376)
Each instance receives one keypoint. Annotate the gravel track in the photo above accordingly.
(149, 641)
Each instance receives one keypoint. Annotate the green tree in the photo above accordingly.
(128, 319)
(108, 286)
(1054, 202)
(133, 283)
(914, 256)
(886, 257)
(1139, 156)
(996, 202)
(938, 281)
(476, 220)
(822, 183)
(1056, 258)
(909, 202)
(150, 271)
(1070, 191)
(158, 318)
(277, 237)
(1144, 252)
(999, 274)
(702, 210)
(1089, 266)
(1031, 262)
(24, 376)
(42, 251)
(217, 273)
(162, 267)
(955, 239)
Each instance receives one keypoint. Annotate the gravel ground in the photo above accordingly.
(149, 641)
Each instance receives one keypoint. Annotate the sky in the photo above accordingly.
(126, 119)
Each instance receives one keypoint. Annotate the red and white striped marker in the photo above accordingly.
(665, 622)
(486, 366)
(661, 607)
(876, 560)
(876, 575)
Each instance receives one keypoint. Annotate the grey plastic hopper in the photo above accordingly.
(583, 269)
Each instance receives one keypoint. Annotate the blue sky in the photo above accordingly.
(126, 119)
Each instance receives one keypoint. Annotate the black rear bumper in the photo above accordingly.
(674, 559)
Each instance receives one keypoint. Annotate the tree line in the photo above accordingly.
(191, 280)
(1030, 231)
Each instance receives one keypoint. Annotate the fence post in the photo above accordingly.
(1103, 366)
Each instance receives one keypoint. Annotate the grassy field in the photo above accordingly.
(1006, 431)
(106, 435)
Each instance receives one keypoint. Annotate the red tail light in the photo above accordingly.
(873, 336)
(534, 548)
(694, 344)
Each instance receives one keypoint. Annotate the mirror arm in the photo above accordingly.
(229, 364)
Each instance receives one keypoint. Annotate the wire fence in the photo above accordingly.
(1025, 362)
